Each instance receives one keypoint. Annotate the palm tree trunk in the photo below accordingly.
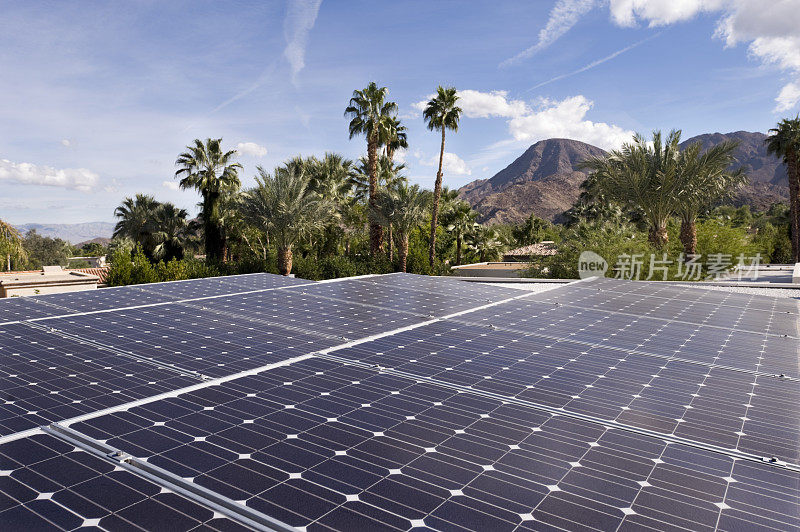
(403, 251)
(658, 236)
(285, 260)
(437, 195)
(391, 244)
(458, 249)
(8, 261)
(689, 235)
(794, 202)
(375, 229)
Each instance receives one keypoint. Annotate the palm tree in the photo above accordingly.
(441, 114)
(403, 207)
(283, 205)
(643, 176)
(169, 232)
(136, 217)
(388, 175)
(205, 167)
(532, 231)
(706, 180)
(485, 242)
(395, 137)
(10, 243)
(332, 178)
(371, 115)
(784, 141)
(463, 222)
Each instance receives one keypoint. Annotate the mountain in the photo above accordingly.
(545, 180)
(72, 233)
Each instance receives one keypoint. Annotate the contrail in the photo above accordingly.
(595, 63)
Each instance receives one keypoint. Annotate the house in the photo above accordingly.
(50, 280)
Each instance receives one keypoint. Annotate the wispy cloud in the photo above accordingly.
(564, 15)
(300, 18)
(598, 62)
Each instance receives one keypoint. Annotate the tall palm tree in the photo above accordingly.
(441, 113)
(136, 217)
(462, 223)
(705, 180)
(283, 205)
(10, 243)
(371, 115)
(784, 141)
(643, 176)
(403, 207)
(169, 232)
(205, 167)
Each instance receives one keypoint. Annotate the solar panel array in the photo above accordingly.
(399, 402)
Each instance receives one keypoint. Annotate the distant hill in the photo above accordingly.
(72, 233)
(99, 240)
(545, 179)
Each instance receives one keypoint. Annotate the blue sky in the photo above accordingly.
(96, 100)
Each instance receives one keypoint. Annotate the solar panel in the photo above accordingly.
(215, 286)
(320, 444)
(45, 377)
(192, 339)
(105, 299)
(46, 484)
(23, 308)
(404, 401)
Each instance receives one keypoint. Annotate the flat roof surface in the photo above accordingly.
(398, 402)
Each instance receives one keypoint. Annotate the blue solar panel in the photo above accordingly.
(319, 444)
(47, 484)
(359, 404)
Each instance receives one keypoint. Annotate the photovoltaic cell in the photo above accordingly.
(445, 286)
(196, 340)
(102, 299)
(339, 319)
(732, 409)
(480, 446)
(47, 484)
(23, 308)
(45, 377)
(322, 445)
(216, 286)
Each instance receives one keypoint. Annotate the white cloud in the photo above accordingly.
(772, 29)
(452, 164)
(251, 148)
(566, 119)
(31, 174)
(300, 18)
(660, 12)
(564, 15)
(788, 97)
(66, 143)
(170, 185)
(477, 104)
